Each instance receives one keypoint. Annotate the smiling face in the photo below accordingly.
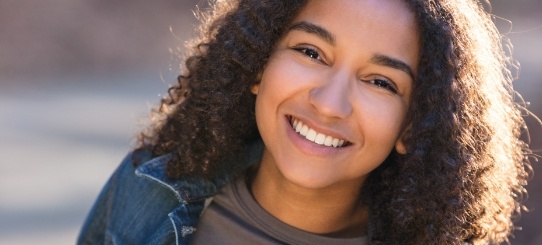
(336, 89)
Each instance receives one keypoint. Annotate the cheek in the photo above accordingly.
(382, 119)
(284, 75)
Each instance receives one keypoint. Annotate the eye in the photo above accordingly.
(310, 52)
(383, 84)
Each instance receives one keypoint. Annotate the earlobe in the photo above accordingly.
(255, 89)
(400, 147)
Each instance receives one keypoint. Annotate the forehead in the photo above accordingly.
(385, 27)
(401, 9)
(395, 14)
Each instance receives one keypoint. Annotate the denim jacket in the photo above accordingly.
(141, 205)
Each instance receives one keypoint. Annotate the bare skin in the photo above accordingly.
(315, 211)
(345, 71)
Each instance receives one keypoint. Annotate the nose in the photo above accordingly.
(331, 97)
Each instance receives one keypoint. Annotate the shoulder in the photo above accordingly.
(141, 204)
(130, 208)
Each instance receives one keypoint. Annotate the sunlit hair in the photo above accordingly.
(462, 177)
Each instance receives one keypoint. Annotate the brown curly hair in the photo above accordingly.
(462, 178)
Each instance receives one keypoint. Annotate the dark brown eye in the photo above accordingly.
(384, 85)
(310, 52)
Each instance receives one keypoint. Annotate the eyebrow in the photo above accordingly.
(378, 59)
(384, 60)
(314, 29)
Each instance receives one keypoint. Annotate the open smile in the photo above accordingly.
(315, 136)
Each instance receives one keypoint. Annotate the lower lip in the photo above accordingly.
(309, 147)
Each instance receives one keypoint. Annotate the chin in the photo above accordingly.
(312, 177)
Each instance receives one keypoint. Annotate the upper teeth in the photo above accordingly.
(311, 135)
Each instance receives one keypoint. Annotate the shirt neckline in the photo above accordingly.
(278, 229)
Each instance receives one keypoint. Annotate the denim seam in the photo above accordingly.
(177, 195)
(175, 229)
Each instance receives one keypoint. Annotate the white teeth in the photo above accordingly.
(320, 139)
(304, 130)
(312, 135)
(335, 142)
(328, 141)
(299, 126)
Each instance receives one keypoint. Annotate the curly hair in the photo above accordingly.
(463, 176)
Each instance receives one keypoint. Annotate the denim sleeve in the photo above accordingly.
(130, 210)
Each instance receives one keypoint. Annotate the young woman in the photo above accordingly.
(328, 122)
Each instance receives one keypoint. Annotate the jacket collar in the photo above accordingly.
(190, 189)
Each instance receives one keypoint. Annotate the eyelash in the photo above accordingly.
(383, 84)
(315, 55)
(310, 52)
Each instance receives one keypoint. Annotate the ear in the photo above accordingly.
(400, 146)
(255, 88)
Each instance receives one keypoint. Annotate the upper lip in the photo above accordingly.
(321, 129)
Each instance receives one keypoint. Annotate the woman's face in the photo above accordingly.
(336, 90)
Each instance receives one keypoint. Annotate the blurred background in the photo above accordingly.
(77, 80)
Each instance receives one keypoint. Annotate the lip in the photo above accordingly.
(310, 148)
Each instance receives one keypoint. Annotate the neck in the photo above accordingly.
(332, 211)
